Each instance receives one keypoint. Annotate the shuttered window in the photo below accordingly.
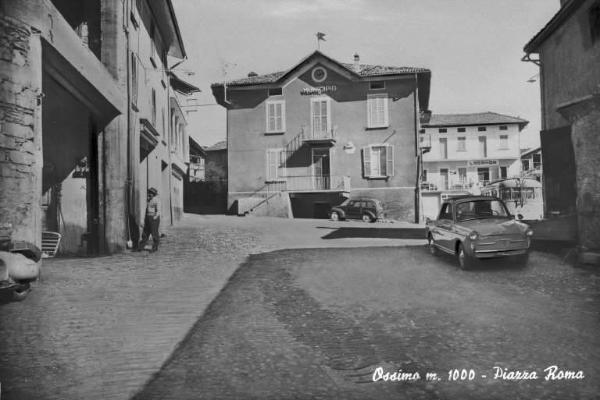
(377, 111)
(275, 116)
(320, 112)
(275, 164)
(378, 161)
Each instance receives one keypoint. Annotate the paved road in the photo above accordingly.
(98, 328)
(316, 323)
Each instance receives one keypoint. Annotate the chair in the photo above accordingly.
(50, 243)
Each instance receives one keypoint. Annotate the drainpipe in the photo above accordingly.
(129, 182)
(417, 152)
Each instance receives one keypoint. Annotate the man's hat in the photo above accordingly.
(152, 191)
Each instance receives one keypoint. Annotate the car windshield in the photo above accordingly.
(478, 209)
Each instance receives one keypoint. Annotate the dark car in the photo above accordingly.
(369, 210)
(477, 227)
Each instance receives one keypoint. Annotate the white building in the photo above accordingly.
(463, 151)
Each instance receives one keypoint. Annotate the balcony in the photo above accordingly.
(425, 142)
(322, 137)
(311, 183)
(451, 186)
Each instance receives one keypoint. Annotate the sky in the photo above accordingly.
(473, 48)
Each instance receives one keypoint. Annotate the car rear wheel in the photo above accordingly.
(367, 218)
(465, 261)
(432, 249)
(335, 216)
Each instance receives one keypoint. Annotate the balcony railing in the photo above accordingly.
(311, 184)
(319, 136)
(425, 141)
(433, 187)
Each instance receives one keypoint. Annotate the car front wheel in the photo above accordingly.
(21, 292)
(335, 216)
(367, 218)
(432, 249)
(465, 261)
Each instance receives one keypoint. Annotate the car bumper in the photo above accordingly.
(499, 253)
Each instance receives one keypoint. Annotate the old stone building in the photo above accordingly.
(84, 101)
(567, 51)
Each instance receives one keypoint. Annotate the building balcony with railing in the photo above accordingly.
(443, 185)
(311, 183)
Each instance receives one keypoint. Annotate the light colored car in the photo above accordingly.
(478, 227)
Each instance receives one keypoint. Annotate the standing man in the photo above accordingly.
(152, 220)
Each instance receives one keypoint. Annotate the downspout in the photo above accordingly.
(129, 182)
(417, 153)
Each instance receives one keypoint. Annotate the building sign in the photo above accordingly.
(318, 90)
(482, 163)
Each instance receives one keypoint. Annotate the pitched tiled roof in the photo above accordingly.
(485, 118)
(222, 145)
(365, 70)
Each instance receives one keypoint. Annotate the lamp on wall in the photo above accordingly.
(349, 148)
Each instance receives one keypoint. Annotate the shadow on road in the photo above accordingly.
(381, 233)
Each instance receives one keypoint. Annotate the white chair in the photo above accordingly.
(50, 243)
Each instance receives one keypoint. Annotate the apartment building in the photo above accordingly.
(302, 140)
(462, 151)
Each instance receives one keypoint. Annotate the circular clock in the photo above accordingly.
(319, 74)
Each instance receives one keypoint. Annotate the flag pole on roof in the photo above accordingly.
(320, 36)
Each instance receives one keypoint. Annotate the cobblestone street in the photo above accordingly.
(314, 324)
(98, 328)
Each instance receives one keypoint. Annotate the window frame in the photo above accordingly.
(443, 155)
(276, 129)
(319, 99)
(372, 108)
(368, 157)
(461, 143)
(503, 142)
(280, 154)
(375, 83)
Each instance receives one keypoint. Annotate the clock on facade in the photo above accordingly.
(319, 74)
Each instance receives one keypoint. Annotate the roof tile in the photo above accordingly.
(485, 118)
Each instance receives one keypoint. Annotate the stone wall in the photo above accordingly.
(20, 133)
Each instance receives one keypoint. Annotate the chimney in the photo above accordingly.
(356, 66)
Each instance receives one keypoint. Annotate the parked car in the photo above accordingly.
(478, 227)
(369, 210)
(19, 266)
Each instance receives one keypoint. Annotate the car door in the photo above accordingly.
(443, 228)
(353, 209)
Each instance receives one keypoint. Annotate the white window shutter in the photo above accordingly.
(386, 118)
(270, 117)
(282, 117)
(282, 155)
(370, 104)
(389, 160)
(367, 161)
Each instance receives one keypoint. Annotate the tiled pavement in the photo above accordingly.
(98, 328)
